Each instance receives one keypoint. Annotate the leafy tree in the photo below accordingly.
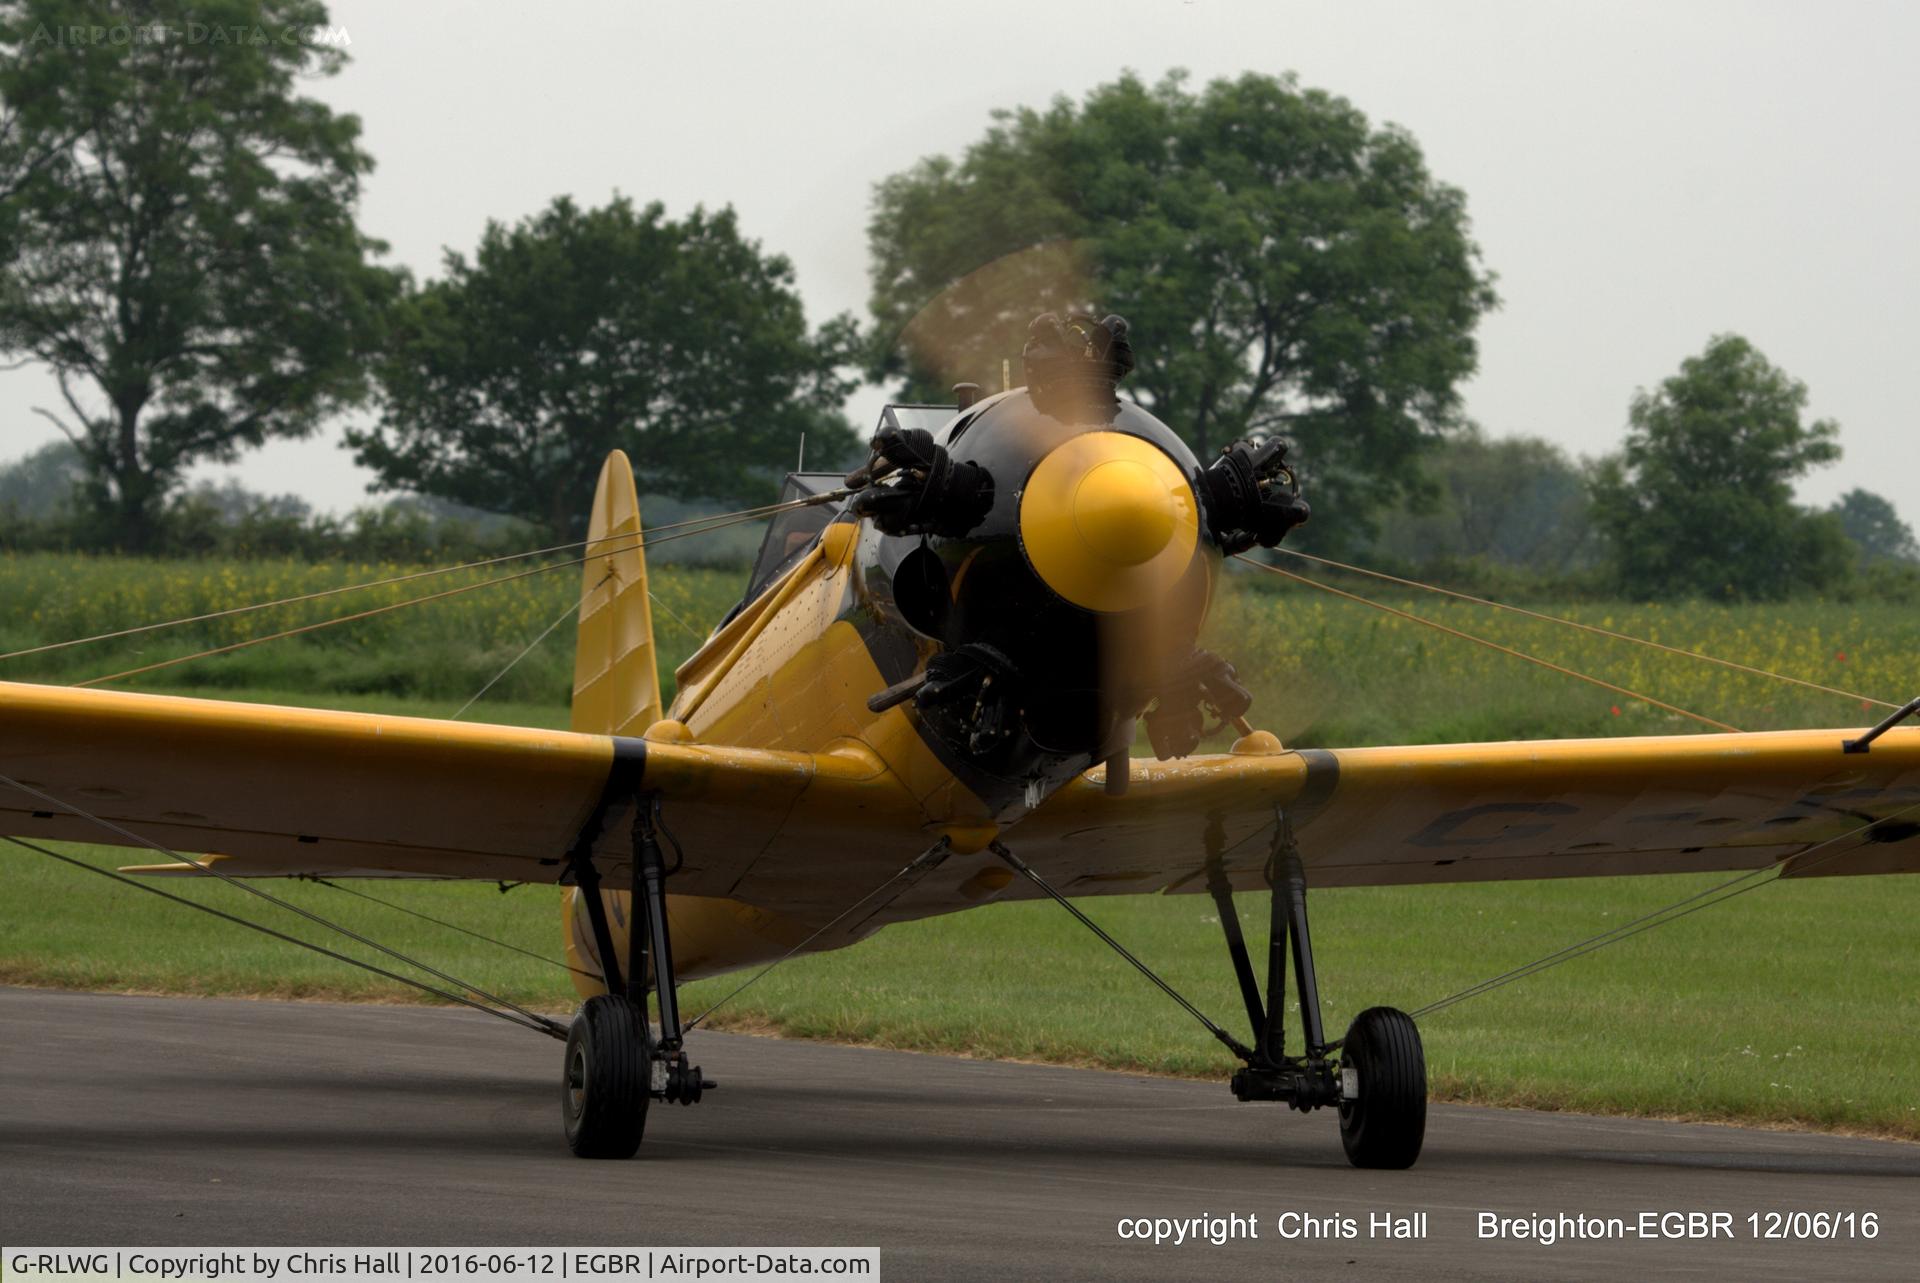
(1286, 267)
(39, 486)
(24, 153)
(1875, 527)
(186, 262)
(1700, 503)
(208, 517)
(229, 501)
(578, 331)
(1517, 501)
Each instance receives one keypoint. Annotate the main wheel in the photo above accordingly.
(605, 1086)
(1383, 1117)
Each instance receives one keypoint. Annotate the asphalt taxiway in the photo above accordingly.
(135, 1120)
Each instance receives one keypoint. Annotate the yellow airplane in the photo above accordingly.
(927, 703)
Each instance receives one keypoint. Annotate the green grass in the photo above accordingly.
(1335, 673)
(1792, 1005)
(442, 650)
(1323, 671)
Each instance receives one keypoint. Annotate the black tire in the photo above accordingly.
(605, 1081)
(1384, 1125)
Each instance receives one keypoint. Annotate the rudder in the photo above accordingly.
(616, 675)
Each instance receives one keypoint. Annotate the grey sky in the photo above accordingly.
(1640, 176)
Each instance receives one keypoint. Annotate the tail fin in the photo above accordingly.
(616, 677)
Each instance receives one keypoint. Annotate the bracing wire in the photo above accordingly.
(938, 850)
(1749, 881)
(599, 551)
(1588, 628)
(451, 926)
(208, 868)
(1752, 880)
(1211, 1025)
(528, 649)
(1702, 718)
(539, 1024)
(719, 521)
(685, 627)
(316, 626)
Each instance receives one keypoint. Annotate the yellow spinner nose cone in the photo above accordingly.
(1109, 521)
(1124, 512)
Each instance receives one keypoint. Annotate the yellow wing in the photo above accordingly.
(285, 791)
(1484, 812)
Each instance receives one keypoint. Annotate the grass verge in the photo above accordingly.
(1790, 1006)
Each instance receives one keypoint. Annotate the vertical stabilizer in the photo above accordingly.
(616, 678)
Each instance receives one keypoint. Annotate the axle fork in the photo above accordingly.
(1303, 1082)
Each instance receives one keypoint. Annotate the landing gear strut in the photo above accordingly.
(1376, 1075)
(615, 1066)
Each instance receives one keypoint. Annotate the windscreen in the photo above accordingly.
(792, 533)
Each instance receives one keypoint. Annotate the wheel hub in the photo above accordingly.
(576, 1081)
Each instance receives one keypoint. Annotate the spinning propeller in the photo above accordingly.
(1068, 540)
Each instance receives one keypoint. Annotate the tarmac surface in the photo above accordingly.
(155, 1121)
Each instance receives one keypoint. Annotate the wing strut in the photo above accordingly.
(1752, 880)
(909, 874)
(548, 1027)
(1021, 867)
(532, 1019)
(1865, 743)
